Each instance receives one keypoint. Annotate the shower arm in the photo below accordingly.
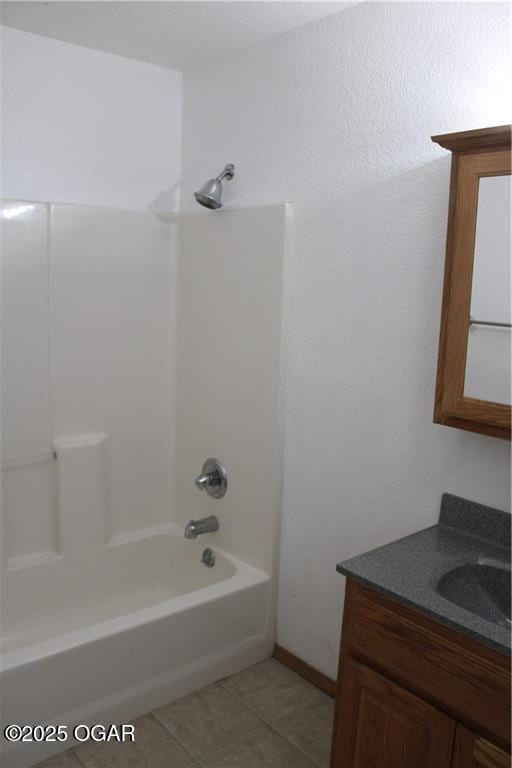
(227, 173)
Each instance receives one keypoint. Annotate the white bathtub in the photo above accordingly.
(112, 636)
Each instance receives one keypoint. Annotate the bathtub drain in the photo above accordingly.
(208, 558)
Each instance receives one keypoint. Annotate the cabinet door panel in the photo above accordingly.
(473, 752)
(384, 726)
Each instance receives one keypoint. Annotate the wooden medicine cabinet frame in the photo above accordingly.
(478, 153)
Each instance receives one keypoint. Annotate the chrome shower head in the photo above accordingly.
(210, 193)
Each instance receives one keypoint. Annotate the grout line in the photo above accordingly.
(240, 701)
(267, 729)
(239, 740)
(157, 720)
(269, 722)
(77, 757)
(236, 740)
(247, 706)
(286, 738)
(299, 749)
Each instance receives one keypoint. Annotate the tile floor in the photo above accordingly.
(263, 717)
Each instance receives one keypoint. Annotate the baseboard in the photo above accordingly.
(305, 670)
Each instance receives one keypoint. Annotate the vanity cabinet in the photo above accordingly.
(414, 694)
(381, 716)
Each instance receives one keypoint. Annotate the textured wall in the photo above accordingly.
(336, 117)
(81, 126)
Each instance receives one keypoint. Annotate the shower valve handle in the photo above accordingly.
(203, 481)
(213, 479)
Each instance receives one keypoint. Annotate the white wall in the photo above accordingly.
(82, 126)
(336, 117)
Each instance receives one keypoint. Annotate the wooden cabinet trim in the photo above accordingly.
(478, 139)
(489, 756)
(471, 168)
(471, 751)
(475, 154)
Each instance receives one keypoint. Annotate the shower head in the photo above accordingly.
(210, 193)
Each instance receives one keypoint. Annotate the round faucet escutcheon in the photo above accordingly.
(213, 479)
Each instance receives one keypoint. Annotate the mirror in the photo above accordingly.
(488, 356)
(473, 386)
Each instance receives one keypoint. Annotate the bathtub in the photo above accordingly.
(113, 635)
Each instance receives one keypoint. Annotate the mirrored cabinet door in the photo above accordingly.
(473, 388)
(487, 375)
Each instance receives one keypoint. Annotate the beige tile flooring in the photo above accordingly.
(263, 717)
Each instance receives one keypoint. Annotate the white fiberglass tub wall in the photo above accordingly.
(105, 603)
(87, 353)
(231, 307)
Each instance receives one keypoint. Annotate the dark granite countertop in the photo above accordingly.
(408, 569)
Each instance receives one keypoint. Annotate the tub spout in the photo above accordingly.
(195, 528)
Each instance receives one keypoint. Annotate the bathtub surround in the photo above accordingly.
(96, 572)
(29, 481)
(83, 126)
(88, 327)
(342, 112)
(232, 279)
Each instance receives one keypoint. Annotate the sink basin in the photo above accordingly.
(481, 589)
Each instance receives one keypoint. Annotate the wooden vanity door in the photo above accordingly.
(381, 725)
(473, 752)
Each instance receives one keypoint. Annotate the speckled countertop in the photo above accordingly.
(408, 569)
